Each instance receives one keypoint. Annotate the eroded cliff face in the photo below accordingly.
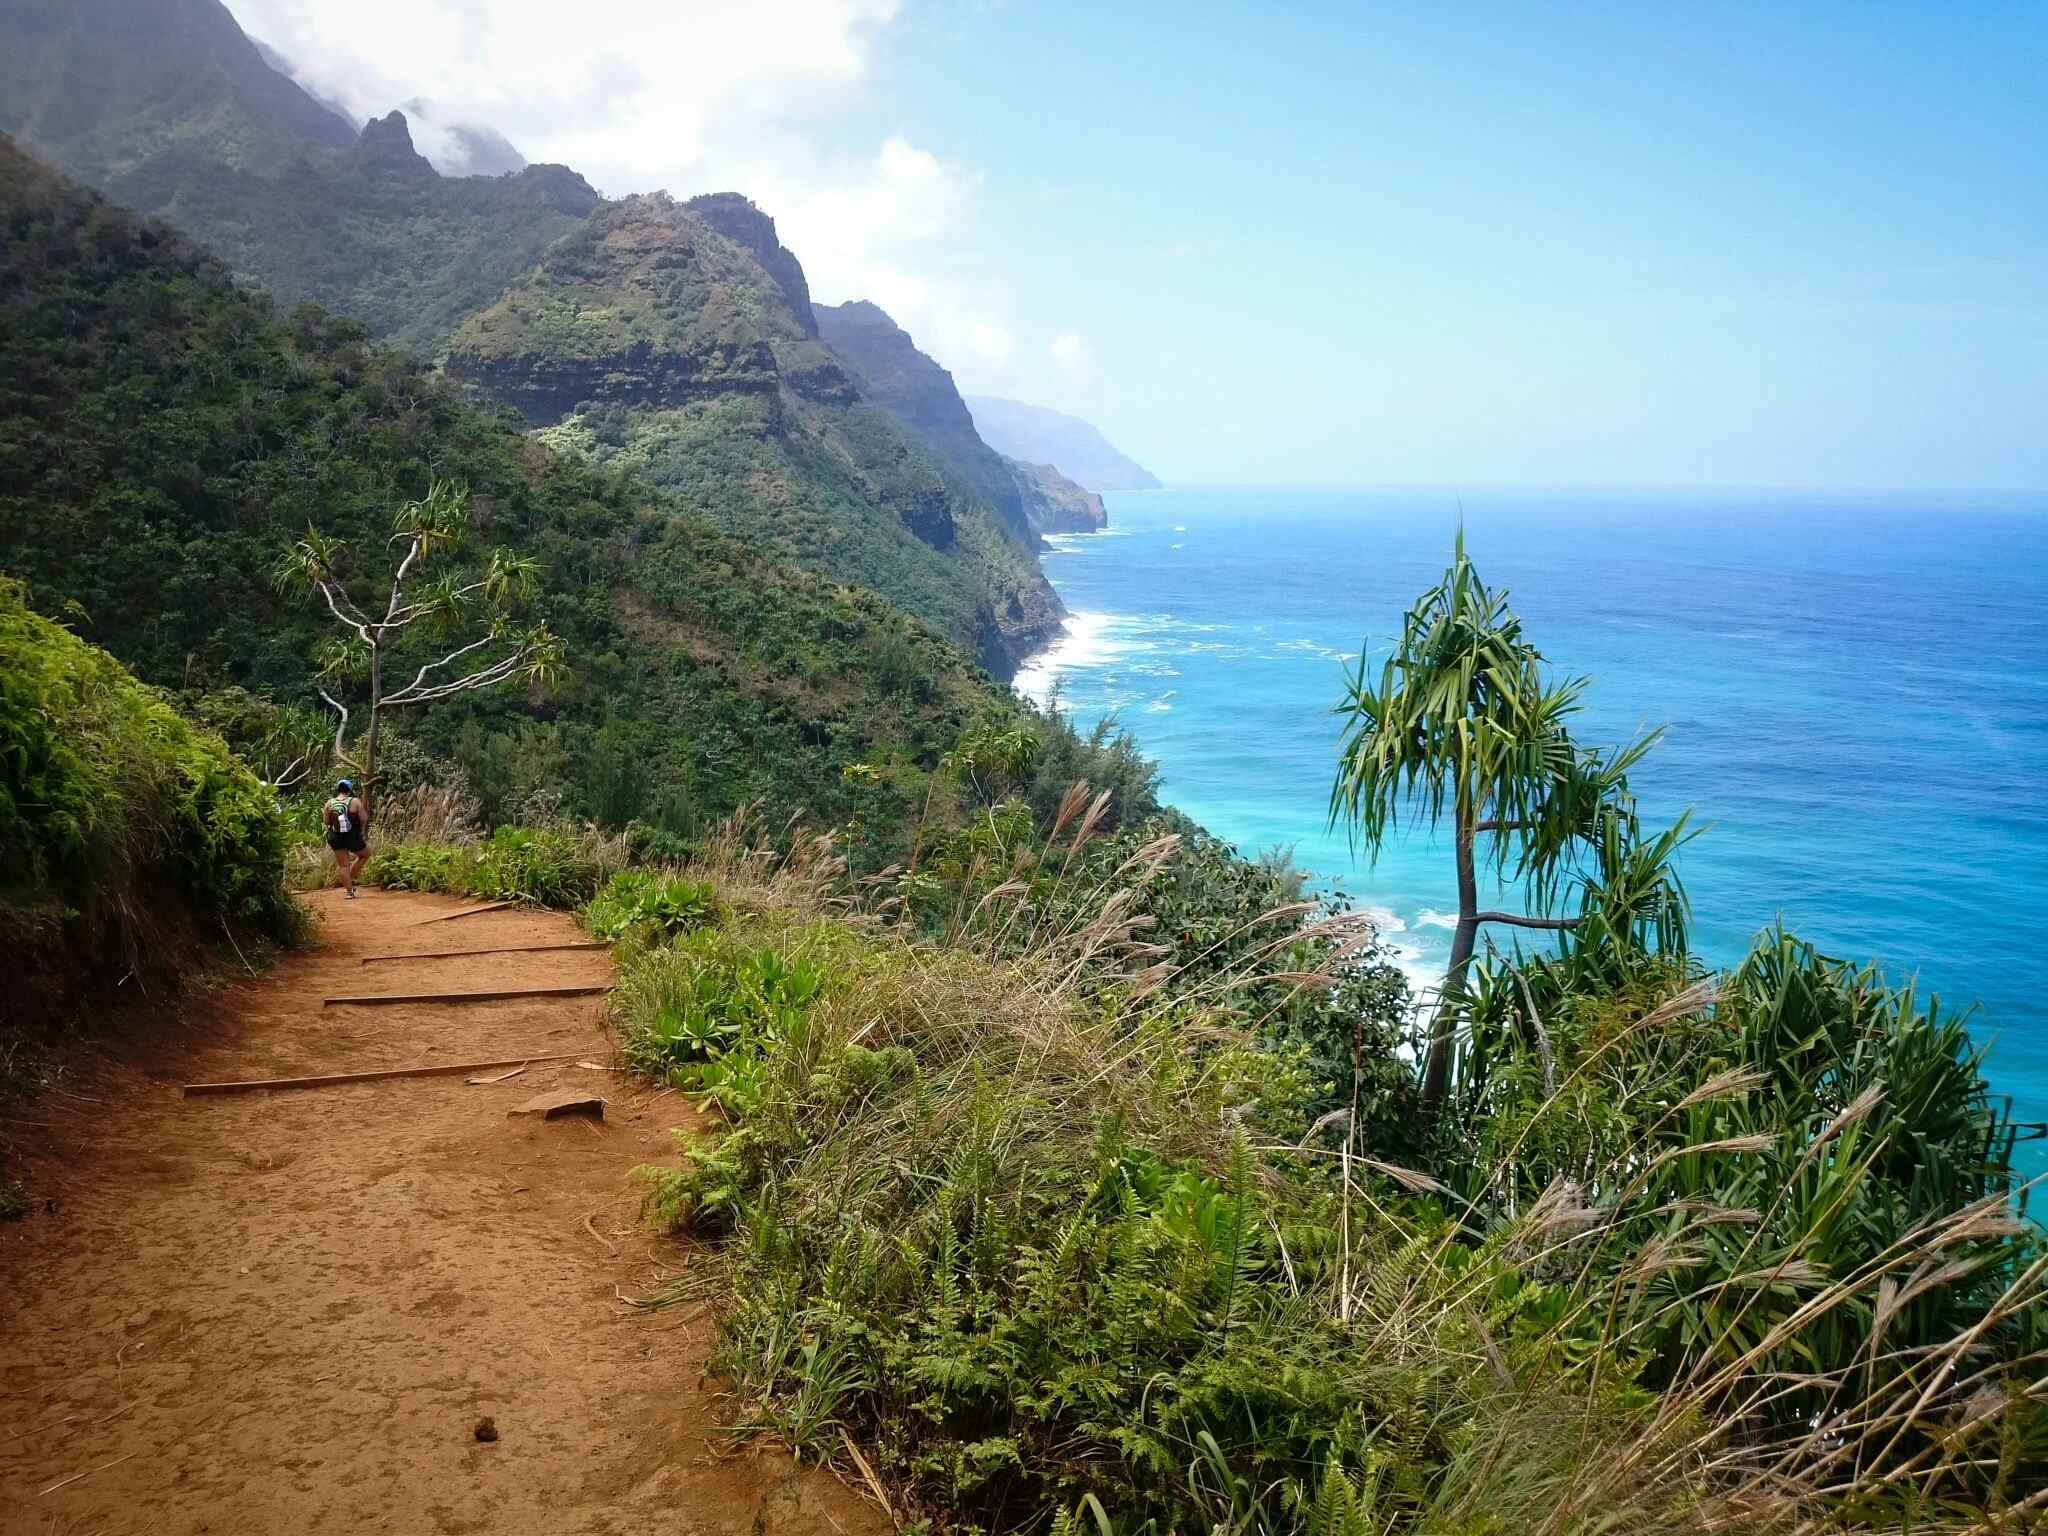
(1055, 504)
(746, 226)
(641, 306)
(920, 395)
(652, 340)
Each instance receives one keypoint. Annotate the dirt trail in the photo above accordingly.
(286, 1312)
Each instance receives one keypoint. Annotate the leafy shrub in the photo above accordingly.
(549, 866)
(1045, 1236)
(118, 819)
(647, 905)
(420, 867)
(704, 1011)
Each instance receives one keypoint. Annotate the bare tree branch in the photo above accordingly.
(335, 598)
(341, 728)
(402, 695)
(497, 672)
(1519, 921)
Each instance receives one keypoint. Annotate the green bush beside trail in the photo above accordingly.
(1069, 1245)
(549, 866)
(124, 831)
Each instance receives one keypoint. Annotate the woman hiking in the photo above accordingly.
(348, 827)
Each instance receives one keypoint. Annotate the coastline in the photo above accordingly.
(1033, 676)
(1216, 627)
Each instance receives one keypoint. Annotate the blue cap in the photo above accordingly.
(344, 784)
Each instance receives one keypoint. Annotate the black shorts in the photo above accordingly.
(350, 842)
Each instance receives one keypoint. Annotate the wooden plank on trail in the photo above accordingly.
(374, 998)
(504, 949)
(449, 917)
(335, 1079)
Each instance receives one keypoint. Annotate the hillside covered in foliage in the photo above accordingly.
(648, 340)
(131, 842)
(1101, 1184)
(710, 382)
(167, 107)
(164, 434)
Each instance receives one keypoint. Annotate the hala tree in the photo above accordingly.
(1461, 721)
(461, 612)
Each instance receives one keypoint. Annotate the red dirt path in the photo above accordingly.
(285, 1312)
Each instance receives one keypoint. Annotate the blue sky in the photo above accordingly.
(1672, 243)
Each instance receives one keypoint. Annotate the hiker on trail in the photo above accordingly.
(348, 826)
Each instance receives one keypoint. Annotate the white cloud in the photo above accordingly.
(684, 95)
(634, 89)
(1072, 354)
(992, 344)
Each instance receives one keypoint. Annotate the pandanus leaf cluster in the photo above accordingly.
(1463, 720)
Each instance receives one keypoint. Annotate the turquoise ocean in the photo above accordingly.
(1853, 688)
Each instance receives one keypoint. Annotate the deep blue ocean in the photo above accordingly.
(1853, 686)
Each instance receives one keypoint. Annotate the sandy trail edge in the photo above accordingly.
(286, 1312)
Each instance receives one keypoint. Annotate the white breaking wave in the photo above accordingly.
(1423, 967)
(1084, 642)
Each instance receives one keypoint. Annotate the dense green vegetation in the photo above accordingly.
(130, 842)
(1090, 1182)
(551, 866)
(1070, 1168)
(679, 338)
(165, 436)
(650, 342)
(164, 106)
(374, 232)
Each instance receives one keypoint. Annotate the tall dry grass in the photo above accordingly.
(1035, 1237)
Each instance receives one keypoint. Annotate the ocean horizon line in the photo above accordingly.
(1585, 487)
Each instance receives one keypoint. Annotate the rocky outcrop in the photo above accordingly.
(385, 145)
(914, 389)
(642, 306)
(746, 226)
(1055, 504)
(1026, 623)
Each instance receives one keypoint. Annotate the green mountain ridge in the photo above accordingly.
(648, 340)
(920, 395)
(1055, 504)
(735, 406)
(166, 106)
(131, 94)
(164, 433)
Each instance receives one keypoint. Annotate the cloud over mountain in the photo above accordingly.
(681, 95)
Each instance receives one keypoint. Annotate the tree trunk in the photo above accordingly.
(370, 734)
(1437, 1070)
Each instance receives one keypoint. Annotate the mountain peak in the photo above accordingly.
(741, 221)
(386, 143)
